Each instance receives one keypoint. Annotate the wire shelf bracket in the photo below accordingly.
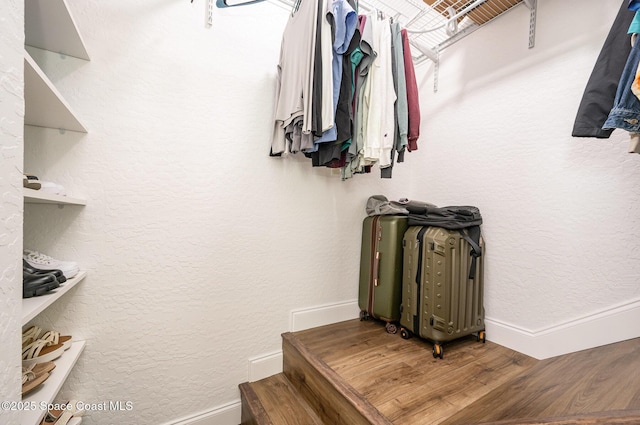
(533, 8)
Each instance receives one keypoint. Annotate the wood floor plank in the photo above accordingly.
(592, 381)
(284, 406)
(615, 417)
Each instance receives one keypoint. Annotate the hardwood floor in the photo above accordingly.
(403, 380)
(354, 372)
(593, 381)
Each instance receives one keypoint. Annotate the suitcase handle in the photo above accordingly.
(376, 269)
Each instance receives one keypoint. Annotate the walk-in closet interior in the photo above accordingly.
(145, 154)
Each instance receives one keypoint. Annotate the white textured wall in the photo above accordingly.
(198, 245)
(560, 213)
(11, 137)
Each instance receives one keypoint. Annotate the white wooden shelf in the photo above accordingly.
(44, 105)
(50, 26)
(33, 306)
(32, 196)
(47, 392)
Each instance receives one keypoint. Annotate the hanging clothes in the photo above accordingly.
(317, 96)
(380, 97)
(345, 94)
(600, 92)
(343, 20)
(625, 113)
(363, 56)
(413, 97)
(293, 105)
(326, 53)
(401, 114)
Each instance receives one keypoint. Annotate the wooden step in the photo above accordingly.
(335, 401)
(274, 401)
(400, 379)
(355, 373)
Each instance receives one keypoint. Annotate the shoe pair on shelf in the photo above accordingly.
(41, 261)
(37, 282)
(32, 182)
(35, 375)
(69, 414)
(41, 273)
(39, 347)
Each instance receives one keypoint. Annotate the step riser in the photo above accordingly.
(335, 401)
(253, 413)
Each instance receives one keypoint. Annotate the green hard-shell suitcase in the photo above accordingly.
(380, 289)
(440, 301)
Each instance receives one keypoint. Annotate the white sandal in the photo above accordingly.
(32, 380)
(70, 416)
(40, 351)
(53, 337)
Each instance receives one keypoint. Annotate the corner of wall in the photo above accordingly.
(305, 318)
(11, 165)
(269, 364)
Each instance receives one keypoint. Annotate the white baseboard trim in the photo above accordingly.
(228, 414)
(264, 366)
(613, 324)
(307, 318)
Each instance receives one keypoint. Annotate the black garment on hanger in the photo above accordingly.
(600, 92)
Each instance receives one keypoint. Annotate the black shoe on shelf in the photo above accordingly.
(26, 267)
(34, 285)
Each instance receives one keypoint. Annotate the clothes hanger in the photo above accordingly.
(224, 3)
(296, 6)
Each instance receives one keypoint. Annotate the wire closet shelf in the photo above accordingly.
(434, 25)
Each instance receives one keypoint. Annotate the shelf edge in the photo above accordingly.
(34, 76)
(51, 387)
(32, 196)
(31, 307)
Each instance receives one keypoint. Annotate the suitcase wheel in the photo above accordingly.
(405, 333)
(437, 351)
(391, 328)
(482, 336)
(364, 315)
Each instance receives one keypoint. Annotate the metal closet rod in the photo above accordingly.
(426, 51)
(360, 4)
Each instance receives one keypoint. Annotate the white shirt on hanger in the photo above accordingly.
(380, 97)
